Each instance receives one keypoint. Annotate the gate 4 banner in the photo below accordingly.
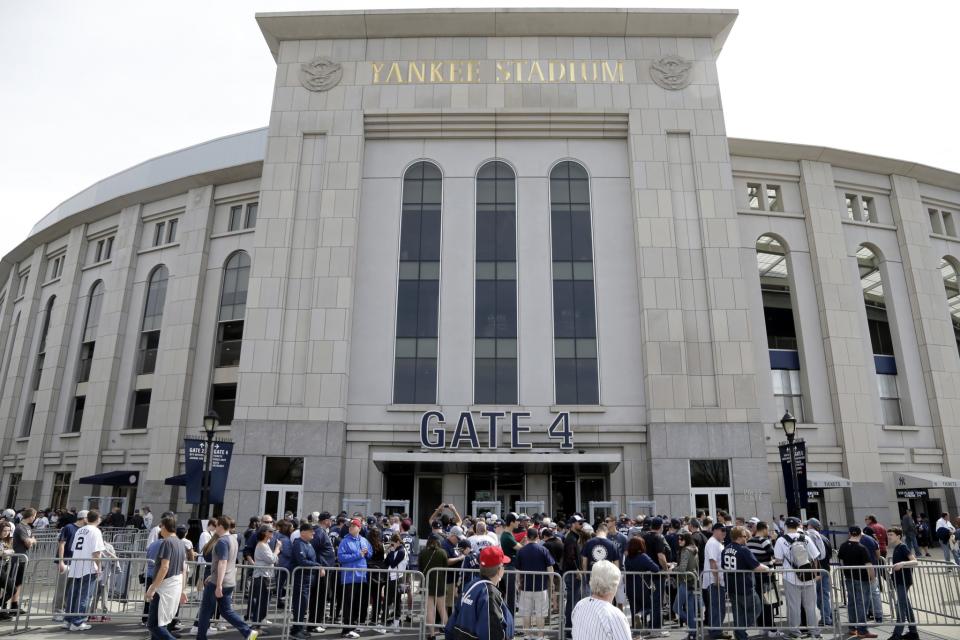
(800, 458)
(196, 452)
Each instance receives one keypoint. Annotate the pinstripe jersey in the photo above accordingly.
(595, 619)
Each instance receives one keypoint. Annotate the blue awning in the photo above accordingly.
(113, 479)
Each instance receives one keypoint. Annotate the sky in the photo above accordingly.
(90, 88)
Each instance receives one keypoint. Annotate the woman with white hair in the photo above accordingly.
(595, 617)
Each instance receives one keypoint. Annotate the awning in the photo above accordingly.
(176, 481)
(114, 479)
(478, 462)
(823, 480)
(917, 480)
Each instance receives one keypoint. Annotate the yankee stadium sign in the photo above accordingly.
(433, 431)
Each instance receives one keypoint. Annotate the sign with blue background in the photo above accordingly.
(195, 451)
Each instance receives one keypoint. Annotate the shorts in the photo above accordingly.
(21, 567)
(451, 594)
(535, 603)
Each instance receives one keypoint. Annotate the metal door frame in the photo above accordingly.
(384, 504)
(612, 505)
(634, 507)
(281, 499)
(542, 504)
(364, 502)
(497, 506)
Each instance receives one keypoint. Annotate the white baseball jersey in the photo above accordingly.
(86, 541)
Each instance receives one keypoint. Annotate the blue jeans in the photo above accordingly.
(573, 584)
(716, 604)
(157, 631)
(823, 598)
(208, 605)
(685, 606)
(79, 592)
(874, 601)
(912, 544)
(746, 608)
(903, 610)
(858, 594)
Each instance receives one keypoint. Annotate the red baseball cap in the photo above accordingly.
(356, 523)
(492, 557)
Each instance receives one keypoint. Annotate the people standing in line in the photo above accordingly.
(305, 574)
(856, 581)
(218, 587)
(799, 555)
(740, 564)
(879, 534)
(874, 601)
(909, 527)
(643, 592)
(570, 566)
(167, 589)
(265, 559)
(6, 567)
(534, 557)
(377, 581)
(825, 583)
(434, 557)
(761, 546)
(353, 553)
(23, 541)
(901, 573)
(397, 561)
(595, 617)
(944, 531)
(325, 551)
(712, 582)
(686, 604)
(87, 547)
(64, 553)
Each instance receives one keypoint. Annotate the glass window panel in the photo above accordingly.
(426, 380)
(562, 270)
(223, 401)
(235, 216)
(887, 386)
(409, 270)
(577, 172)
(405, 380)
(506, 236)
(412, 189)
(279, 470)
(429, 270)
(141, 408)
(406, 348)
(486, 348)
(562, 243)
(891, 411)
(506, 348)
(431, 191)
(588, 386)
(506, 193)
(407, 308)
(506, 380)
(486, 271)
(753, 196)
(430, 235)
(485, 381)
(579, 192)
(486, 309)
(583, 271)
(429, 303)
(252, 210)
(506, 271)
(410, 235)
(564, 322)
(559, 190)
(586, 348)
(565, 348)
(565, 372)
(486, 191)
(426, 347)
(583, 300)
(581, 248)
(93, 312)
(486, 239)
(506, 308)
(710, 473)
(156, 295)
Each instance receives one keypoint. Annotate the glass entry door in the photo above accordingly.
(710, 500)
(277, 499)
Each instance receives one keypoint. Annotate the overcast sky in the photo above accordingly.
(90, 88)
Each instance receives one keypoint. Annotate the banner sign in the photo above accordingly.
(913, 494)
(433, 434)
(195, 451)
(800, 458)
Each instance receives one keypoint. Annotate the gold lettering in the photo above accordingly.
(473, 71)
(593, 64)
(503, 72)
(519, 74)
(416, 69)
(436, 72)
(552, 67)
(455, 71)
(395, 73)
(573, 74)
(608, 74)
(536, 67)
(377, 68)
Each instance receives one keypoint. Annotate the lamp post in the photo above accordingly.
(789, 425)
(210, 422)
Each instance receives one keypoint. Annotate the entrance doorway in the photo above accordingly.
(277, 499)
(710, 488)
(710, 500)
(429, 495)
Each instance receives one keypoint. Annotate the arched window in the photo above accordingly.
(495, 363)
(418, 289)
(574, 316)
(780, 325)
(152, 320)
(881, 339)
(38, 366)
(949, 272)
(233, 305)
(90, 323)
(8, 349)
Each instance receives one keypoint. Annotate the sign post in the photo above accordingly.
(793, 460)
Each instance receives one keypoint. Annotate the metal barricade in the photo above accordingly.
(82, 591)
(654, 603)
(360, 599)
(13, 569)
(535, 598)
(779, 599)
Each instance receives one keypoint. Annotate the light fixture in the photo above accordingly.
(210, 421)
(789, 424)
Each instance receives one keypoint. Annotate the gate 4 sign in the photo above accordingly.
(433, 431)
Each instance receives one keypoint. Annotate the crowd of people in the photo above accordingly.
(493, 571)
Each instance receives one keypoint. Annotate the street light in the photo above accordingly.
(789, 425)
(210, 422)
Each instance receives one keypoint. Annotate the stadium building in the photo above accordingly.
(500, 258)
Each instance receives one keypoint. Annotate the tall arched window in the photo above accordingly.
(418, 289)
(38, 365)
(8, 349)
(495, 364)
(781, 329)
(949, 272)
(233, 306)
(574, 316)
(149, 343)
(881, 339)
(89, 338)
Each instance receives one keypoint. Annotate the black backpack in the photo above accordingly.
(943, 535)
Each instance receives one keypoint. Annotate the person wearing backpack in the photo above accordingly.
(824, 584)
(798, 554)
(943, 532)
(480, 613)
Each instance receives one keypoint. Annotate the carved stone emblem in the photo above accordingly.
(320, 74)
(671, 72)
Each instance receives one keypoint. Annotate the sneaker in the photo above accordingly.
(395, 626)
(212, 631)
(253, 634)
(192, 631)
(80, 627)
(318, 629)
(58, 617)
(66, 626)
(351, 634)
(222, 626)
(380, 630)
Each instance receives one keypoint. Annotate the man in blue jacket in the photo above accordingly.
(303, 578)
(353, 553)
(481, 610)
(327, 557)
